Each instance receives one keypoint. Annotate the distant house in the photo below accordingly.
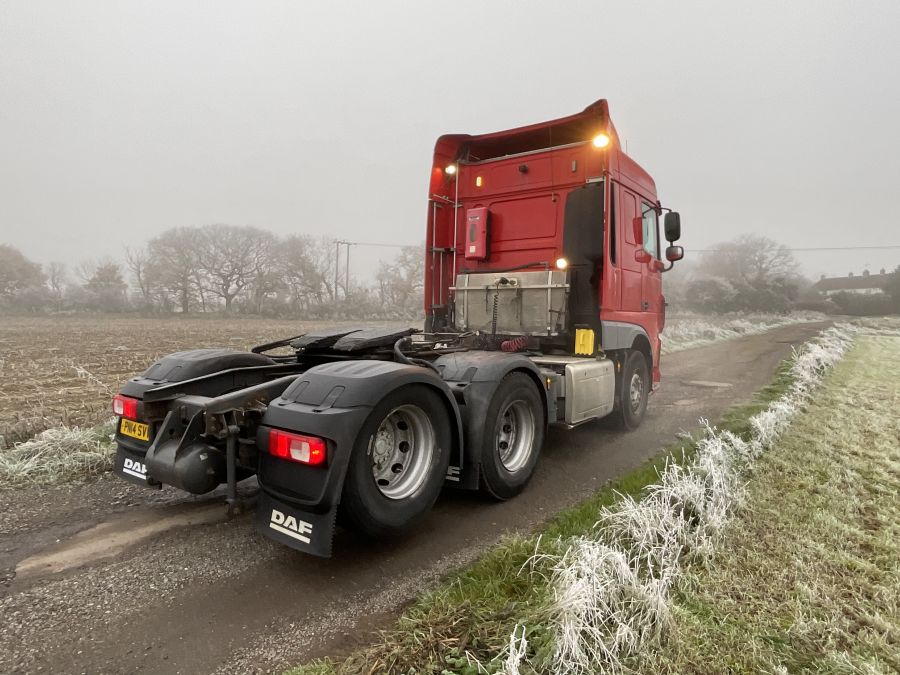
(863, 284)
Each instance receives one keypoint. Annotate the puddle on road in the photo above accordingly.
(707, 384)
(111, 538)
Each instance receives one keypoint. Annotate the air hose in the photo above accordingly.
(400, 357)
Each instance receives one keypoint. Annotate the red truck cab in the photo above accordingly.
(558, 195)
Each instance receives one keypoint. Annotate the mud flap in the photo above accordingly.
(301, 530)
(132, 467)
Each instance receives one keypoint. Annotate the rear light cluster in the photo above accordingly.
(297, 447)
(125, 406)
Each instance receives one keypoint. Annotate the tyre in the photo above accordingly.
(514, 435)
(633, 392)
(399, 462)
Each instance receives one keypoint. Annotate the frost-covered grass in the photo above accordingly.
(684, 331)
(807, 577)
(595, 586)
(57, 455)
(612, 587)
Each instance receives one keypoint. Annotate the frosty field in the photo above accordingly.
(63, 371)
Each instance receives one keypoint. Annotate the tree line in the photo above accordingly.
(246, 270)
(752, 273)
(217, 269)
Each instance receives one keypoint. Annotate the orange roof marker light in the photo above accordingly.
(601, 141)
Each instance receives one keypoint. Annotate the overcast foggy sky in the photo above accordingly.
(121, 119)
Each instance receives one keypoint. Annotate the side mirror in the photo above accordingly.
(673, 226)
(637, 225)
(674, 253)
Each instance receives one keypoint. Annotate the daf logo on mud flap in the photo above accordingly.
(135, 468)
(290, 526)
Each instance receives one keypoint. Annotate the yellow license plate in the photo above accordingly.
(137, 430)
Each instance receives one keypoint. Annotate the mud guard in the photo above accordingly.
(474, 377)
(331, 401)
(302, 530)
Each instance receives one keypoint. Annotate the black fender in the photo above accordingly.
(331, 401)
(193, 364)
(474, 377)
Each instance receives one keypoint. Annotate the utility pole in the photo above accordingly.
(337, 266)
(337, 260)
(347, 272)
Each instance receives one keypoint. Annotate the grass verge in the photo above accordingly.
(468, 619)
(808, 578)
(58, 455)
(688, 330)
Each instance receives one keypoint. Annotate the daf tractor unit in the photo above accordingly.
(543, 305)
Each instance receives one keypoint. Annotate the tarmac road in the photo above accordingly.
(106, 577)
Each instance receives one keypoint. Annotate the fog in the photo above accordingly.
(119, 119)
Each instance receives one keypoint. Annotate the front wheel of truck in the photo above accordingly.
(633, 392)
(399, 462)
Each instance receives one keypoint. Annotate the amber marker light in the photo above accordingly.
(600, 141)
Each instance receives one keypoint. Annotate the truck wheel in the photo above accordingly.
(634, 391)
(514, 435)
(399, 462)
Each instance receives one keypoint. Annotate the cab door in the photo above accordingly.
(632, 270)
(652, 301)
(651, 274)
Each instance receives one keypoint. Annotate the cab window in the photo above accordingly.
(651, 229)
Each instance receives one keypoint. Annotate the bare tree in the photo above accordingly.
(232, 257)
(400, 282)
(138, 261)
(56, 280)
(751, 273)
(104, 285)
(174, 265)
(306, 267)
(21, 280)
(266, 279)
(751, 259)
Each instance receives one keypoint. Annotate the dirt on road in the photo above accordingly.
(106, 577)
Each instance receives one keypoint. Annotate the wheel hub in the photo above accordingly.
(515, 435)
(384, 444)
(401, 451)
(636, 391)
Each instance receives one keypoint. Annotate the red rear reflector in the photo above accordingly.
(125, 406)
(296, 447)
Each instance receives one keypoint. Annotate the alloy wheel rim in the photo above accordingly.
(515, 435)
(636, 391)
(402, 451)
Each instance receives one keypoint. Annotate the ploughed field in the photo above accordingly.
(64, 371)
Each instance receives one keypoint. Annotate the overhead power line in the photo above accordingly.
(372, 243)
(811, 248)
